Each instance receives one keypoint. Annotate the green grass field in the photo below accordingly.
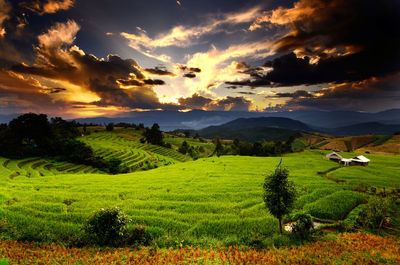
(208, 201)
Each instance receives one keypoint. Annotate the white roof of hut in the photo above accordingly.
(334, 155)
(361, 159)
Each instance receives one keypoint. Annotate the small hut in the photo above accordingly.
(360, 160)
(355, 161)
(334, 156)
(345, 161)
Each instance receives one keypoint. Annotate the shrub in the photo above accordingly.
(114, 165)
(107, 226)
(377, 211)
(110, 127)
(303, 224)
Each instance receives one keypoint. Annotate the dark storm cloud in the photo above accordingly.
(189, 75)
(230, 103)
(374, 94)
(197, 101)
(351, 40)
(260, 82)
(190, 72)
(154, 82)
(296, 94)
(159, 70)
(246, 93)
(194, 102)
(189, 69)
(55, 90)
(130, 82)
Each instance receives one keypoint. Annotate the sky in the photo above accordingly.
(85, 58)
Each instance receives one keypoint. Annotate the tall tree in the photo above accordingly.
(219, 149)
(154, 135)
(279, 193)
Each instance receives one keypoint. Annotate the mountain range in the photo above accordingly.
(334, 122)
(277, 128)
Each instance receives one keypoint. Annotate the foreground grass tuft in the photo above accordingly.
(357, 248)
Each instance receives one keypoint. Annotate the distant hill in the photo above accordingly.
(365, 128)
(280, 129)
(276, 122)
(256, 129)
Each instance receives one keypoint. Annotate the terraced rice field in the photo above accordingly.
(124, 144)
(39, 167)
(208, 201)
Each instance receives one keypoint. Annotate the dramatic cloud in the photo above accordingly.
(49, 6)
(194, 102)
(189, 75)
(374, 94)
(225, 104)
(333, 41)
(246, 93)
(296, 94)
(59, 34)
(5, 8)
(185, 36)
(189, 72)
(18, 93)
(159, 70)
(230, 104)
(111, 82)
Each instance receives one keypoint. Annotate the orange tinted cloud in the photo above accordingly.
(108, 83)
(49, 7)
(5, 8)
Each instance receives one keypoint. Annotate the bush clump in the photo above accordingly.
(303, 225)
(377, 213)
(107, 226)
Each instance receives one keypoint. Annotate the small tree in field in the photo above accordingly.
(279, 194)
